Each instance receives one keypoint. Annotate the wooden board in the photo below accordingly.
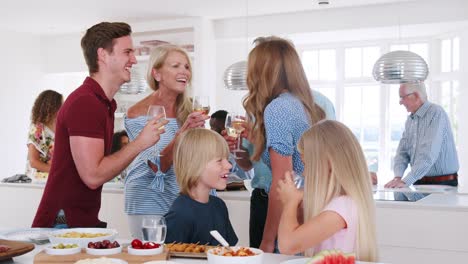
(17, 248)
(44, 258)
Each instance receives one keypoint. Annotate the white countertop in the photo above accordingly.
(442, 199)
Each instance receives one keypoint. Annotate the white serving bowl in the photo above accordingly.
(219, 259)
(82, 242)
(145, 252)
(61, 251)
(103, 251)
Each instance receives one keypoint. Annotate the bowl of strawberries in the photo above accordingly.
(144, 248)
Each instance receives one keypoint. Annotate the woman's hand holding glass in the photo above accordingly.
(288, 192)
(194, 120)
(235, 125)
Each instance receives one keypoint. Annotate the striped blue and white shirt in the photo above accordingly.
(427, 145)
(147, 192)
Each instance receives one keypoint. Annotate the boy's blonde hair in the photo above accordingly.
(335, 165)
(194, 149)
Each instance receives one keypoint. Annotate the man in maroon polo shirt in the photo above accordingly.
(83, 137)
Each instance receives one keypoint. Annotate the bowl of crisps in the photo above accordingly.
(81, 236)
(237, 255)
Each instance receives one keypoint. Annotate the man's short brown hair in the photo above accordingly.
(101, 35)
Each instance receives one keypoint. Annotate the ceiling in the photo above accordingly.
(62, 16)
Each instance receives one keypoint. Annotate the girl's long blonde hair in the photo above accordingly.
(334, 165)
(273, 67)
(157, 58)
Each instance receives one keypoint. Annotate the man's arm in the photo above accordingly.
(401, 160)
(95, 169)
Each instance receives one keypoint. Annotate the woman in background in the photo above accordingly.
(150, 185)
(42, 133)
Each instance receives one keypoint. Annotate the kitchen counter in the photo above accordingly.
(431, 230)
(268, 258)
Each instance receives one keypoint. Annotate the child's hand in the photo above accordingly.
(287, 191)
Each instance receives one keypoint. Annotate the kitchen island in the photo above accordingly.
(431, 230)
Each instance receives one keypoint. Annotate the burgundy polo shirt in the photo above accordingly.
(87, 112)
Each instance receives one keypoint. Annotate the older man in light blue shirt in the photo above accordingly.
(427, 143)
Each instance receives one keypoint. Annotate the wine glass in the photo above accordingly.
(153, 111)
(298, 180)
(234, 127)
(154, 229)
(201, 104)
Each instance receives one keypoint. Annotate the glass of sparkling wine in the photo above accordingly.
(234, 127)
(201, 104)
(153, 111)
(154, 229)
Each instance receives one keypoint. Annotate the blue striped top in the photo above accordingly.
(147, 192)
(427, 145)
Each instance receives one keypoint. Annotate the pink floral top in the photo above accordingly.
(42, 138)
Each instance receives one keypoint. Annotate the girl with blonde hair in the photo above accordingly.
(339, 211)
(201, 164)
(150, 185)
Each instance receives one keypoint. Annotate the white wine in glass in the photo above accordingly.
(201, 104)
(234, 127)
(154, 111)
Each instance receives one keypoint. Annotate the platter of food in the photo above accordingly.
(188, 250)
(28, 235)
(81, 236)
(235, 255)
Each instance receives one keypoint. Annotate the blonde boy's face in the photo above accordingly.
(215, 174)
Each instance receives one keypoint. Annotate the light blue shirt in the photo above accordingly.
(147, 192)
(427, 145)
(285, 121)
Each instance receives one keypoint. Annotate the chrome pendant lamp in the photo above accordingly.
(400, 67)
(235, 76)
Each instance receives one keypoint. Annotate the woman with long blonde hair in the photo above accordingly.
(150, 185)
(339, 211)
(281, 106)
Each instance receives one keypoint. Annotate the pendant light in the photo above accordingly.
(400, 66)
(235, 76)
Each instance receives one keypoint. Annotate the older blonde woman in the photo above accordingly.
(150, 185)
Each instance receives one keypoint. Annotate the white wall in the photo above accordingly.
(21, 75)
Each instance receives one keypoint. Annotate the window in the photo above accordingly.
(359, 62)
(449, 101)
(450, 54)
(320, 64)
(359, 115)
